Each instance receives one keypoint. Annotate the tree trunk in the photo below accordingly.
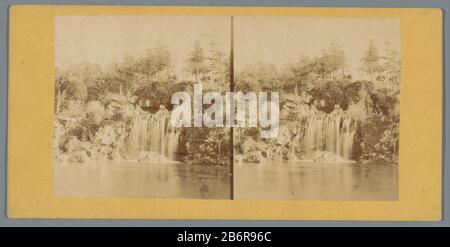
(371, 72)
(373, 99)
(196, 73)
(58, 102)
(219, 159)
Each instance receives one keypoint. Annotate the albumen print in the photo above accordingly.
(243, 108)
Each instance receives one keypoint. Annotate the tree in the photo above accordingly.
(393, 66)
(161, 61)
(72, 83)
(61, 83)
(288, 76)
(214, 149)
(296, 74)
(217, 63)
(91, 74)
(76, 89)
(331, 60)
(119, 76)
(370, 61)
(156, 64)
(336, 58)
(195, 63)
(257, 77)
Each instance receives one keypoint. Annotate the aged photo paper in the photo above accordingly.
(225, 113)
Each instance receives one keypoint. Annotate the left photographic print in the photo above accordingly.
(114, 81)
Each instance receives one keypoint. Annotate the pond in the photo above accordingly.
(132, 179)
(315, 181)
(272, 181)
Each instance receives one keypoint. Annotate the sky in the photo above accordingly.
(279, 40)
(104, 39)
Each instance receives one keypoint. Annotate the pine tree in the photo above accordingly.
(371, 61)
(195, 63)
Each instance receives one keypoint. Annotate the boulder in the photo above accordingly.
(254, 157)
(326, 157)
(151, 156)
(284, 136)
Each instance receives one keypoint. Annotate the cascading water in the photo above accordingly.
(330, 132)
(153, 135)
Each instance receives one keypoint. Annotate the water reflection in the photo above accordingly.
(142, 180)
(274, 181)
(315, 181)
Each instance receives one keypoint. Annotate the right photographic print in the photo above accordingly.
(338, 81)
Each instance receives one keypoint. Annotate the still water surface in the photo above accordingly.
(315, 181)
(127, 179)
(283, 181)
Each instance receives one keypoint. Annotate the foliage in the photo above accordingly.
(95, 112)
(331, 61)
(257, 77)
(380, 141)
(300, 75)
(371, 61)
(76, 90)
(153, 95)
(156, 63)
(207, 146)
(297, 75)
(217, 66)
(379, 138)
(195, 63)
(314, 85)
(393, 66)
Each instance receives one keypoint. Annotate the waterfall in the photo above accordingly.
(330, 132)
(153, 135)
